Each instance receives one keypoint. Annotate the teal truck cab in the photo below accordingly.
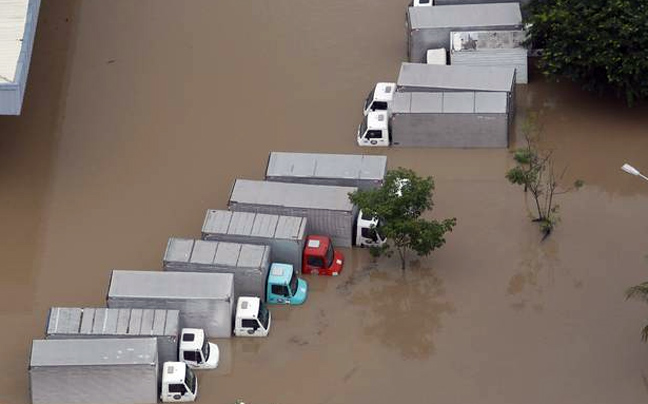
(284, 286)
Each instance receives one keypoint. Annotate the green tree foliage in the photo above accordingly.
(399, 204)
(534, 171)
(640, 292)
(602, 44)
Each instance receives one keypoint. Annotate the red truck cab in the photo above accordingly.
(320, 258)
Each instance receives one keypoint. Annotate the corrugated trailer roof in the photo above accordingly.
(172, 285)
(282, 194)
(118, 322)
(80, 352)
(450, 103)
(322, 165)
(254, 224)
(467, 78)
(465, 15)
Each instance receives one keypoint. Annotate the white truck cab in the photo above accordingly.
(179, 383)
(422, 3)
(196, 351)
(437, 56)
(252, 318)
(374, 129)
(367, 234)
(380, 98)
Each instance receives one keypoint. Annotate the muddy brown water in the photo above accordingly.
(138, 117)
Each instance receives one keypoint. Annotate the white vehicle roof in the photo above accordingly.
(422, 3)
(94, 352)
(17, 26)
(174, 372)
(377, 120)
(456, 78)
(321, 165)
(384, 91)
(466, 16)
(270, 193)
(247, 307)
(451, 102)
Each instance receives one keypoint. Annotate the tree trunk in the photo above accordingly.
(401, 254)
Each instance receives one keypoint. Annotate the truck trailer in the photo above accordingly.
(249, 263)
(444, 119)
(430, 27)
(287, 236)
(327, 208)
(106, 371)
(174, 344)
(345, 170)
(205, 300)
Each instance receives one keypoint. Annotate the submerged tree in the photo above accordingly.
(640, 292)
(398, 205)
(534, 171)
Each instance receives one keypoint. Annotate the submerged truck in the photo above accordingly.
(174, 344)
(288, 238)
(327, 208)
(205, 300)
(249, 263)
(430, 27)
(106, 371)
(430, 78)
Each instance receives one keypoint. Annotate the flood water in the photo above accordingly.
(138, 117)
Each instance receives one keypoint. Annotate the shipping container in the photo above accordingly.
(86, 323)
(491, 49)
(18, 20)
(346, 170)
(286, 235)
(205, 300)
(94, 371)
(249, 263)
(430, 27)
(452, 120)
(327, 208)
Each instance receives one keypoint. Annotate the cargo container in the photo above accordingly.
(249, 263)
(491, 49)
(174, 344)
(287, 237)
(205, 300)
(105, 371)
(445, 120)
(346, 170)
(327, 208)
(430, 27)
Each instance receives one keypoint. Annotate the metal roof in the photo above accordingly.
(468, 78)
(80, 352)
(254, 224)
(216, 253)
(13, 23)
(486, 40)
(269, 193)
(465, 15)
(172, 285)
(103, 321)
(450, 103)
(320, 165)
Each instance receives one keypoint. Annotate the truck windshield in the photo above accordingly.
(329, 256)
(293, 284)
(263, 315)
(369, 99)
(363, 128)
(205, 350)
(190, 380)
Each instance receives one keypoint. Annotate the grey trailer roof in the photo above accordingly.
(172, 285)
(104, 321)
(450, 103)
(465, 15)
(254, 224)
(188, 251)
(283, 194)
(320, 165)
(80, 352)
(466, 78)
(491, 40)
